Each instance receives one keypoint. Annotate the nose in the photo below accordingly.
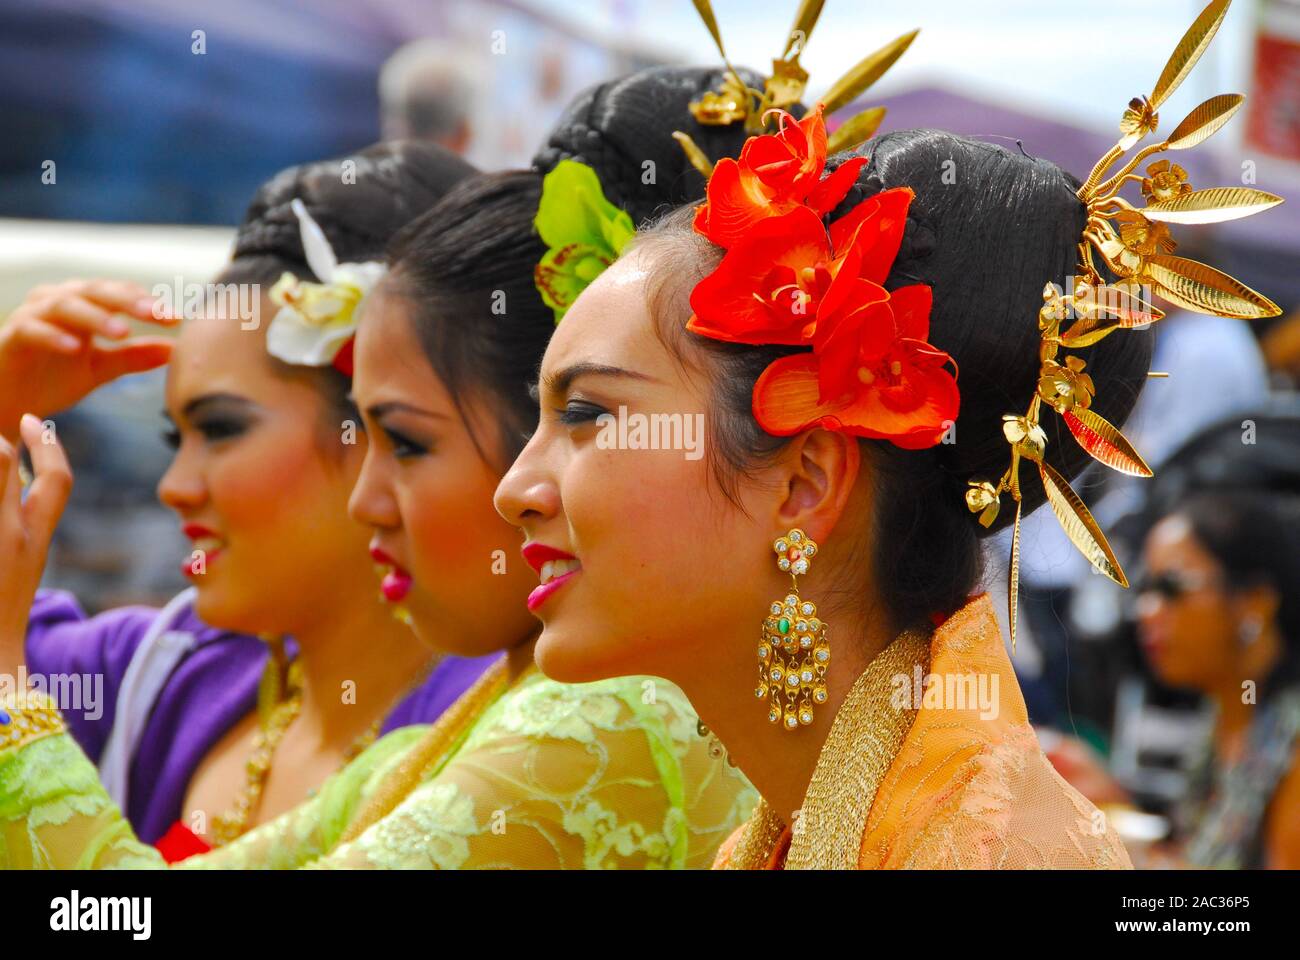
(182, 488)
(528, 492)
(372, 502)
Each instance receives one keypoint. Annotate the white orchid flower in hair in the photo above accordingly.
(316, 322)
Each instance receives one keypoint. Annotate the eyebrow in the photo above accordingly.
(197, 404)
(380, 410)
(561, 380)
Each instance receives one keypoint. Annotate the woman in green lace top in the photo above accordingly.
(521, 771)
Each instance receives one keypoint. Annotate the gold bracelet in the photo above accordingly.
(26, 717)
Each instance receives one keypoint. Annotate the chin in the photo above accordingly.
(433, 631)
(567, 659)
(216, 608)
(569, 656)
(1172, 674)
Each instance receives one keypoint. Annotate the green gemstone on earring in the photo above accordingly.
(783, 625)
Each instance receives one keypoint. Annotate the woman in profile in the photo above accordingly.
(282, 661)
(1217, 614)
(683, 583)
(860, 337)
(521, 770)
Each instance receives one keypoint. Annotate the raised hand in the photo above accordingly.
(49, 357)
(26, 527)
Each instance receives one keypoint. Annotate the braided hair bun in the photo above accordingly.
(623, 130)
(392, 184)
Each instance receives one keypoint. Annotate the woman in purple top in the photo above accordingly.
(148, 728)
(189, 715)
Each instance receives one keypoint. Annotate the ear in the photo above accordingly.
(1260, 604)
(819, 473)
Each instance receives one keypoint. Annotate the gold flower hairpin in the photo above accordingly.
(1136, 245)
(737, 102)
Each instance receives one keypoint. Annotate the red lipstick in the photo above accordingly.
(536, 554)
(543, 559)
(396, 583)
(192, 566)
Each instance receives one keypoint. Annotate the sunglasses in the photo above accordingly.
(1170, 584)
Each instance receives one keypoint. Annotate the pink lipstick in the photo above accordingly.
(396, 583)
(554, 567)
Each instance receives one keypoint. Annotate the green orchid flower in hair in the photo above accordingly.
(584, 232)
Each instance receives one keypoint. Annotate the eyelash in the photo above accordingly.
(578, 412)
(212, 430)
(403, 447)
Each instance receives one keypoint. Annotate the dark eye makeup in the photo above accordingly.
(404, 446)
(577, 412)
(216, 418)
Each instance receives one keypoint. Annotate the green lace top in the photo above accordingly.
(551, 775)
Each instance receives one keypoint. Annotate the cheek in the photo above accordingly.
(459, 547)
(1200, 626)
(1201, 639)
(274, 479)
(634, 505)
(657, 544)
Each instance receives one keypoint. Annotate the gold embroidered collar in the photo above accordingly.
(864, 739)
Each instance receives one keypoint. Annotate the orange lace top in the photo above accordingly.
(952, 778)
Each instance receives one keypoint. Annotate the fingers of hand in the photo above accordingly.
(52, 484)
(134, 356)
(46, 336)
(95, 307)
(129, 298)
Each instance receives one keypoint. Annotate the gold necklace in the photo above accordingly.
(863, 742)
(278, 704)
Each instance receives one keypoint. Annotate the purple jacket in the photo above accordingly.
(158, 689)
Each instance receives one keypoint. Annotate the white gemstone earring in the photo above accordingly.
(794, 646)
(1248, 631)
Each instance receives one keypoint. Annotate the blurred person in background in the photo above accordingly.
(202, 730)
(428, 90)
(1218, 614)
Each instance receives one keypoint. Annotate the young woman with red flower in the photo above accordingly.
(814, 312)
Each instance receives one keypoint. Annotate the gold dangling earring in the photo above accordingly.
(794, 646)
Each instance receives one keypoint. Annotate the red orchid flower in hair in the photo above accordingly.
(787, 278)
(871, 373)
(775, 174)
(788, 272)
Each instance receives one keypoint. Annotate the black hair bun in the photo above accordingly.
(987, 229)
(621, 127)
(392, 184)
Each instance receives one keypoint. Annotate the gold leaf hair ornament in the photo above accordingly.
(737, 102)
(1135, 243)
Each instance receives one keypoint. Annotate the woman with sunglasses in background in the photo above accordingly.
(1218, 614)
